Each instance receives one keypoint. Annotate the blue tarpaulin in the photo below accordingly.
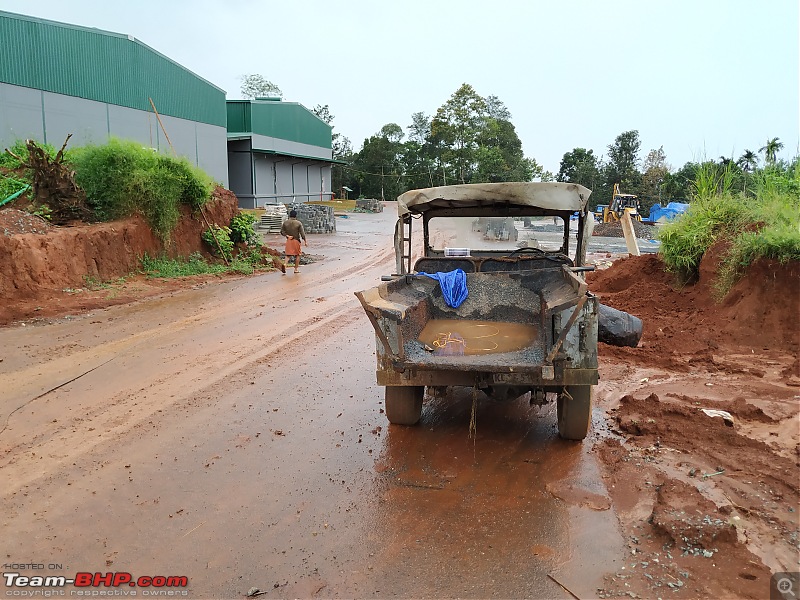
(668, 212)
(453, 284)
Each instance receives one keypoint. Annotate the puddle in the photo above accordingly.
(456, 337)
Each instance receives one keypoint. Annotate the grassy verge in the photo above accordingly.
(167, 268)
(764, 224)
(340, 205)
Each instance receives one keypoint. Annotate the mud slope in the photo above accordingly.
(63, 257)
(709, 509)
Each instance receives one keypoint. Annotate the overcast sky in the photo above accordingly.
(703, 78)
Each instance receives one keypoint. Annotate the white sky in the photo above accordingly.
(703, 78)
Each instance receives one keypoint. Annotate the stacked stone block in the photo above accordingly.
(316, 218)
(369, 205)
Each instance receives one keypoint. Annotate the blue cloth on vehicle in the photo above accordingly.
(453, 284)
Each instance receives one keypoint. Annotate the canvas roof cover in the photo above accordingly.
(549, 195)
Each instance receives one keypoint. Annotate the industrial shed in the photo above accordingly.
(278, 152)
(57, 79)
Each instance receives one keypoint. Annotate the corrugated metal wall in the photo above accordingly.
(48, 117)
(285, 120)
(103, 66)
(276, 178)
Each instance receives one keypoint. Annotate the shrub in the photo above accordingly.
(685, 240)
(196, 185)
(122, 177)
(20, 148)
(766, 225)
(243, 228)
(219, 240)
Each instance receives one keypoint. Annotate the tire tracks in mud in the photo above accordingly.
(77, 423)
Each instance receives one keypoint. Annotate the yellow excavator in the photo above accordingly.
(620, 203)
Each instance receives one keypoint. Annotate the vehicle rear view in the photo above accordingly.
(496, 300)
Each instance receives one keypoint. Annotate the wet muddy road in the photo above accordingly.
(234, 434)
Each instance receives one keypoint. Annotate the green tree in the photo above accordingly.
(677, 186)
(456, 127)
(490, 167)
(748, 161)
(392, 132)
(255, 86)
(341, 149)
(496, 109)
(579, 166)
(501, 138)
(420, 128)
(621, 168)
(469, 140)
(771, 150)
(419, 168)
(378, 165)
(534, 171)
(656, 170)
(623, 160)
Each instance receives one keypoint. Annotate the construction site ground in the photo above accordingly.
(230, 430)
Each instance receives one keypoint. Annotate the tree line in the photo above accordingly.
(653, 179)
(471, 139)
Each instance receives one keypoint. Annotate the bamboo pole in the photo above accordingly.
(171, 147)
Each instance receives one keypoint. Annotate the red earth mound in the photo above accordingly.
(761, 311)
(63, 257)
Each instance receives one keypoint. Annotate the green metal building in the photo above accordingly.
(57, 79)
(277, 152)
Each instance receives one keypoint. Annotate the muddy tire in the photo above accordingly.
(404, 404)
(575, 415)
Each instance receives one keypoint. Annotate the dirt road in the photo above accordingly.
(234, 434)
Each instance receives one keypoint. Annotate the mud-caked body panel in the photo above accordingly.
(536, 298)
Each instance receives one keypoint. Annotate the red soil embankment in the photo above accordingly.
(65, 256)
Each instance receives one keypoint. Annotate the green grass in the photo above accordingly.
(168, 268)
(338, 205)
(195, 264)
(765, 224)
(10, 185)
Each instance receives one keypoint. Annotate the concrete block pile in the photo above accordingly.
(369, 205)
(316, 218)
(273, 217)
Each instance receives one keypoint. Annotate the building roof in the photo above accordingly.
(274, 118)
(103, 66)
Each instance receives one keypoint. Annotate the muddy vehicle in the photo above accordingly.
(528, 323)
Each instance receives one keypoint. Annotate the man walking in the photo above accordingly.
(292, 230)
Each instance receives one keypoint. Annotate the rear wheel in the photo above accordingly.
(575, 414)
(404, 404)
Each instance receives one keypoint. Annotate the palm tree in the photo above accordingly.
(724, 162)
(771, 150)
(748, 161)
